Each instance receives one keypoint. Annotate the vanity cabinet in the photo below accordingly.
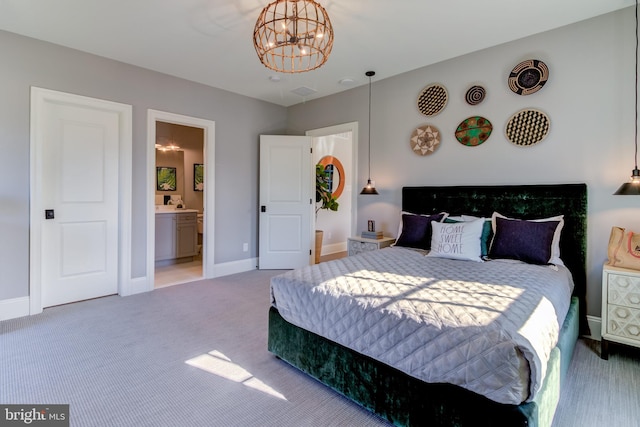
(176, 235)
(186, 234)
(165, 236)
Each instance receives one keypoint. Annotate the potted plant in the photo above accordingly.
(324, 200)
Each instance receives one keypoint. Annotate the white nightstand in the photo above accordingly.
(620, 307)
(356, 245)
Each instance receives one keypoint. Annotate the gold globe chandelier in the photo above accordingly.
(293, 36)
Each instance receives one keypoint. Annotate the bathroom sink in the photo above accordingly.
(164, 208)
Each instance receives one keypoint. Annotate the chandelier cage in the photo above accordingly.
(293, 36)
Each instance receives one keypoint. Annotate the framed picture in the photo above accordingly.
(198, 177)
(166, 178)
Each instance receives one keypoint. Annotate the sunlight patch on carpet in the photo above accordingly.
(217, 363)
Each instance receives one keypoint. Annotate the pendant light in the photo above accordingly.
(369, 188)
(293, 36)
(632, 188)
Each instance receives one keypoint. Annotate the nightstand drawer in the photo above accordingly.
(358, 247)
(623, 322)
(624, 290)
(620, 307)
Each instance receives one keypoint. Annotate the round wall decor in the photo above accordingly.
(475, 95)
(527, 127)
(433, 99)
(474, 131)
(528, 77)
(425, 139)
(338, 177)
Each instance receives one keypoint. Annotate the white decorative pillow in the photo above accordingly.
(458, 240)
(555, 243)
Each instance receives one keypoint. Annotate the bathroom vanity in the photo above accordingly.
(176, 236)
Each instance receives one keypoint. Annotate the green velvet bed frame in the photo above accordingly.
(406, 401)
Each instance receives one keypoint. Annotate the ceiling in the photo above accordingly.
(210, 41)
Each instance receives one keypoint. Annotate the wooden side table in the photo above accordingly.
(356, 245)
(620, 307)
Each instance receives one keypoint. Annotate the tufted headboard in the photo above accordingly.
(519, 201)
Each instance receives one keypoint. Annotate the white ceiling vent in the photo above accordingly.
(304, 91)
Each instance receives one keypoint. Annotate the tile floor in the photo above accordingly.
(178, 273)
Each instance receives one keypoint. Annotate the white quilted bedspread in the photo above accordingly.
(488, 327)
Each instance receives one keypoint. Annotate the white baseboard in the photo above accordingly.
(14, 307)
(234, 267)
(595, 325)
(334, 248)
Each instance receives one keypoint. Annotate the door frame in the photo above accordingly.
(208, 126)
(332, 130)
(39, 98)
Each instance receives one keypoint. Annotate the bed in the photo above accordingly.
(399, 395)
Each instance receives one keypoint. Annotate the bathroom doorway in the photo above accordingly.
(180, 221)
(179, 204)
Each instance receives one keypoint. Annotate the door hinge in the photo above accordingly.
(311, 150)
(309, 251)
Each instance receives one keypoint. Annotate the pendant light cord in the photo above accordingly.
(369, 174)
(636, 96)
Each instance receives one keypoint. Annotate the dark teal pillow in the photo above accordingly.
(485, 238)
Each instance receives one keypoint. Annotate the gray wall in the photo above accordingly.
(589, 99)
(239, 122)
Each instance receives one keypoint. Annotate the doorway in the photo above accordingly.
(334, 148)
(179, 150)
(185, 148)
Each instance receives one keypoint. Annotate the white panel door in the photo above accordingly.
(79, 246)
(286, 204)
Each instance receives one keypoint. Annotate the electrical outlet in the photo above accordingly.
(245, 247)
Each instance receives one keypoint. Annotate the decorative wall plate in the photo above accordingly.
(433, 99)
(528, 77)
(474, 131)
(527, 127)
(475, 95)
(337, 175)
(425, 139)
